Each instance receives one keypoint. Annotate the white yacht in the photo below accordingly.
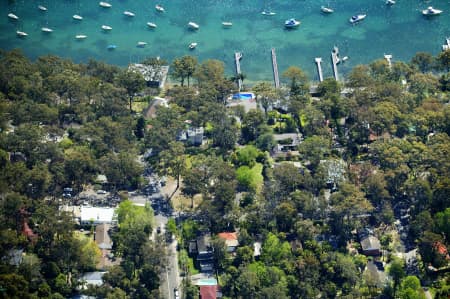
(77, 17)
(46, 30)
(13, 16)
(291, 23)
(42, 8)
(159, 8)
(390, 2)
(193, 25)
(106, 27)
(325, 9)
(357, 18)
(128, 13)
(151, 25)
(227, 24)
(104, 4)
(268, 13)
(21, 33)
(430, 11)
(80, 36)
(141, 44)
(192, 46)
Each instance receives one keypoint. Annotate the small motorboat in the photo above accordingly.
(13, 16)
(159, 8)
(430, 11)
(21, 33)
(227, 24)
(390, 2)
(291, 23)
(193, 25)
(106, 27)
(42, 8)
(77, 17)
(268, 13)
(128, 13)
(80, 36)
(151, 25)
(192, 46)
(46, 30)
(141, 44)
(325, 9)
(344, 59)
(104, 4)
(357, 18)
(111, 47)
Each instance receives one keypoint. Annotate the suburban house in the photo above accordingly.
(104, 243)
(155, 76)
(286, 143)
(370, 245)
(231, 240)
(208, 292)
(91, 278)
(192, 136)
(96, 215)
(202, 250)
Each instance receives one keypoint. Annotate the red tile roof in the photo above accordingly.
(228, 236)
(208, 292)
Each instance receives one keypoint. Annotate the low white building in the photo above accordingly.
(97, 215)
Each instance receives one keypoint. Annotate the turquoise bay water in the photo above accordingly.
(400, 30)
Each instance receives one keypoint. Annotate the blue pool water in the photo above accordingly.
(400, 30)
(243, 96)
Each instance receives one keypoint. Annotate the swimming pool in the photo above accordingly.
(244, 96)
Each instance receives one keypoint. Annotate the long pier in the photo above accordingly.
(237, 58)
(335, 61)
(319, 67)
(276, 77)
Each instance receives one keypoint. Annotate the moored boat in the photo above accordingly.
(80, 36)
(77, 17)
(21, 33)
(104, 4)
(111, 47)
(151, 25)
(192, 46)
(13, 16)
(159, 8)
(268, 13)
(325, 9)
(193, 25)
(291, 23)
(430, 11)
(390, 2)
(106, 27)
(227, 24)
(141, 44)
(128, 13)
(357, 18)
(46, 29)
(42, 8)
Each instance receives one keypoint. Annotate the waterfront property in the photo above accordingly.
(155, 76)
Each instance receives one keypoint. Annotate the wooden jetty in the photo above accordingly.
(388, 58)
(237, 59)
(335, 61)
(446, 46)
(276, 77)
(319, 67)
